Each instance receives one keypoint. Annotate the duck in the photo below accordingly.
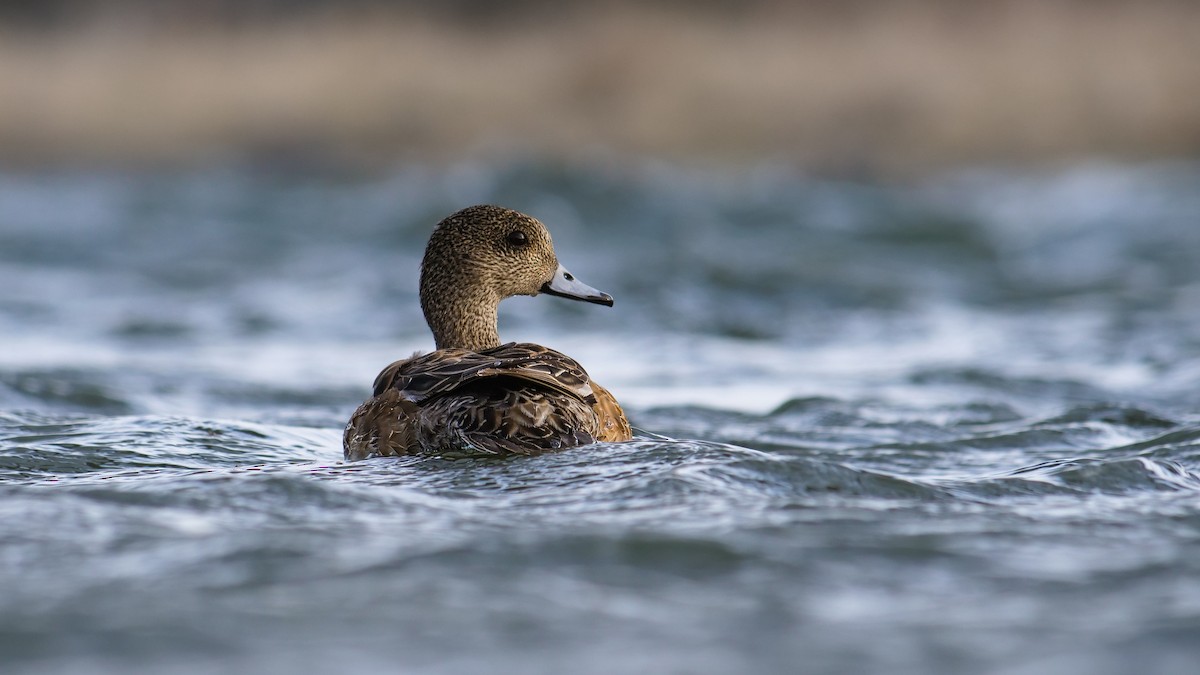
(474, 396)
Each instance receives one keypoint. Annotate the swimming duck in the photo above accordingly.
(474, 396)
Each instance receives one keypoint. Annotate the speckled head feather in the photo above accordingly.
(480, 255)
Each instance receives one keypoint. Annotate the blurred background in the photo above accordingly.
(837, 87)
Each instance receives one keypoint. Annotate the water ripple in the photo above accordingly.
(902, 430)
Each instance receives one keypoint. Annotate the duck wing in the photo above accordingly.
(518, 398)
(427, 376)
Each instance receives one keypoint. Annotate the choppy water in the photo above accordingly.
(943, 428)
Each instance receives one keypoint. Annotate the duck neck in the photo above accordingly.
(461, 318)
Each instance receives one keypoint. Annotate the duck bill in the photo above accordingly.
(565, 285)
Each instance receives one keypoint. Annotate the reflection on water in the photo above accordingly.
(949, 427)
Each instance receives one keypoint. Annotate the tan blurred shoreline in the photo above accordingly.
(897, 88)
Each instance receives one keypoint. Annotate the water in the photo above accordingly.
(947, 427)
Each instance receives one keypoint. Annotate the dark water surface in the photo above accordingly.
(944, 428)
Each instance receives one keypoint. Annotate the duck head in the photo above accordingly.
(480, 255)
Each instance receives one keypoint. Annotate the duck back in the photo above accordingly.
(515, 399)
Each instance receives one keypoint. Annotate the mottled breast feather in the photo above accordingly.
(518, 398)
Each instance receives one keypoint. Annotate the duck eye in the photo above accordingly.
(517, 238)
